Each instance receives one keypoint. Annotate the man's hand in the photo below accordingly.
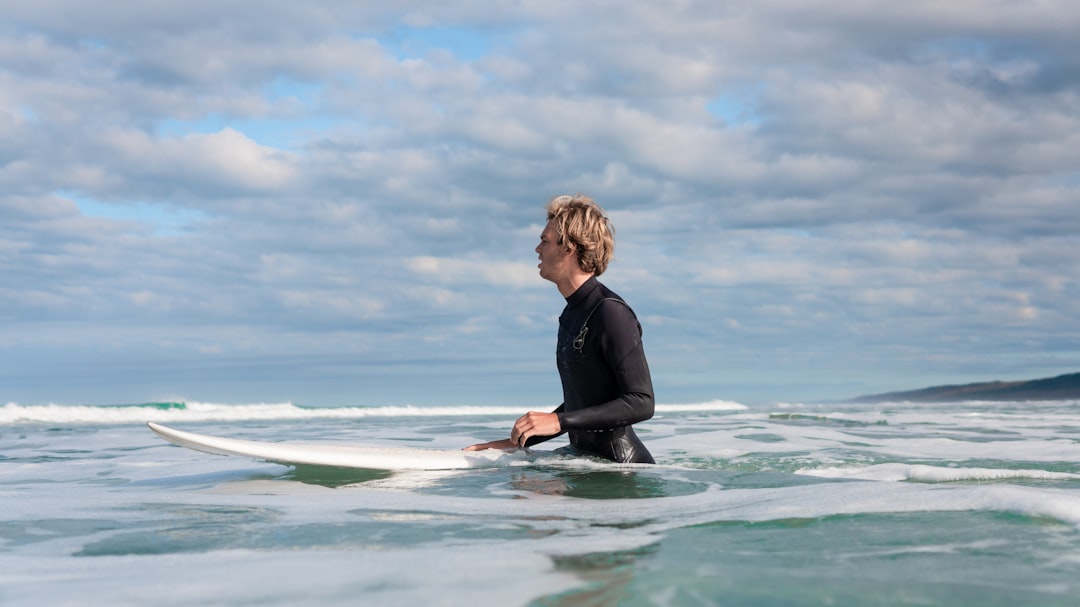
(533, 424)
(527, 426)
(503, 444)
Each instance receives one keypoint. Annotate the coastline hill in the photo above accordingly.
(1062, 387)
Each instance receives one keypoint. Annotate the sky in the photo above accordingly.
(336, 203)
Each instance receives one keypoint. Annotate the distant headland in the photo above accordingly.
(1062, 387)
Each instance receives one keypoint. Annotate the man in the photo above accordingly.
(605, 377)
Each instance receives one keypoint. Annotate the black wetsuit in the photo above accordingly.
(605, 378)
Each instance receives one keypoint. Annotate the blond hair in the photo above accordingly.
(583, 226)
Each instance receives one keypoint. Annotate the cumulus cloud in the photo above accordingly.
(810, 200)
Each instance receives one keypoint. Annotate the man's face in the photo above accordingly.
(555, 259)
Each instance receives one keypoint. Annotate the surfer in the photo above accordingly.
(601, 360)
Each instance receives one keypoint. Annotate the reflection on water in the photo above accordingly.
(603, 484)
(331, 476)
(607, 577)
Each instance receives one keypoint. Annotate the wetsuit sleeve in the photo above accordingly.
(622, 351)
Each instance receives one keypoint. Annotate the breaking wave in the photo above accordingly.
(13, 413)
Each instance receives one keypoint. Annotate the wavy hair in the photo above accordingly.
(583, 226)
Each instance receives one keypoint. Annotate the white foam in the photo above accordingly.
(422, 575)
(13, 413)
(650, 516)
(198, 412)
(715, 405)
(1047, 433)
(934, 474)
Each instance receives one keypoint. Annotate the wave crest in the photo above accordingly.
(165, 412)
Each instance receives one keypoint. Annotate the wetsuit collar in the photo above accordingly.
(582, 293)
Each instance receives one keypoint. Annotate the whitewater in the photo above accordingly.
(973, 503)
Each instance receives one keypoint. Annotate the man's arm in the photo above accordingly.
(530, 429)
(619, 336)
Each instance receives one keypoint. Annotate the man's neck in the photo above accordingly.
(573, 283)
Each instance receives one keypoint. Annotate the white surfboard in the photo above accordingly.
(341, 456)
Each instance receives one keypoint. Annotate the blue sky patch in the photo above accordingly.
(734, 110)
(301, 118)
(280, 133)
(166, 219)
(467, 44)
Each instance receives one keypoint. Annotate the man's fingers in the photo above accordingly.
(520, 433)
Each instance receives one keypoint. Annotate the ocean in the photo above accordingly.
(972, 503)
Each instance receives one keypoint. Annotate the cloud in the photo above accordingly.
(474, 271)
(811, 200)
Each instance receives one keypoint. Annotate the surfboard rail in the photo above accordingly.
(337, 455)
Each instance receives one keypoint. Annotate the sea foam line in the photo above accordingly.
(14, 413)
(935, 474)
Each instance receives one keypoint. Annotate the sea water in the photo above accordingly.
(853, 504)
